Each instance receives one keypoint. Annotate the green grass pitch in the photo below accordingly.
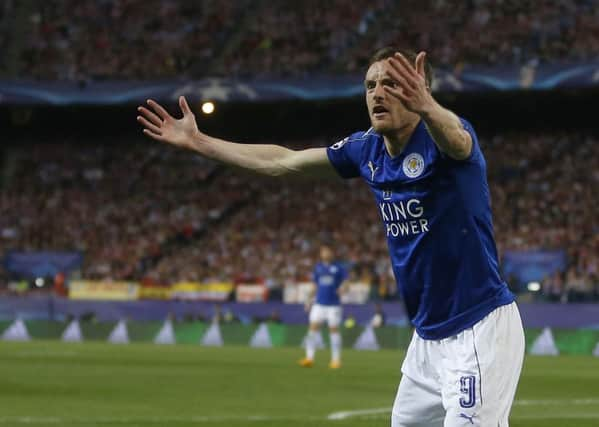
(46, 383)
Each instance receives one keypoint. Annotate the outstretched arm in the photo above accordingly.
(265, 159)
(444, 126)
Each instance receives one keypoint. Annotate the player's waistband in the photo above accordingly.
(462, 321)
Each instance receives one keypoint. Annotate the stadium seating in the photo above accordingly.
(139, 210)
(72, 40)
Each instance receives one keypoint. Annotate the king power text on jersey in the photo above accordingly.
(403, 218)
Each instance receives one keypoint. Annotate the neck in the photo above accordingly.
(396, 141)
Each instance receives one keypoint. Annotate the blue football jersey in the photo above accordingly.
(436, 214)
(328, 278)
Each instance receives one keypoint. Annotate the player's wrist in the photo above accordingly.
(428, 109)
(201, 143)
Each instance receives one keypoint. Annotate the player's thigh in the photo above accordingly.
(334, 315)
(481, 370)
(510, 357)
(416, 405)
(317, 314)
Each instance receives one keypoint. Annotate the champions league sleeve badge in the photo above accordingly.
(338, 145)
(413, 165)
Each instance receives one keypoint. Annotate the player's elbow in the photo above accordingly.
(283, 167)
(461, 147)
(461, 152)
(276, 170)
(271, 168)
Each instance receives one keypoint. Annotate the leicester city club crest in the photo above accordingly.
(413, 165)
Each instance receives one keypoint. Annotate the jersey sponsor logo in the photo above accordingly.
(403, 218)
(413, 165)
(387, 194)
(326, 280)
(373, 169)
(338, 145)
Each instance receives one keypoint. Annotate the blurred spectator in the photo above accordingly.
(153, 39)
(163, 215)
(132, 39)
(118, 207)
(578, 286)
(553, 288)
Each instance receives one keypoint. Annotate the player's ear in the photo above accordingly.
(419, 63)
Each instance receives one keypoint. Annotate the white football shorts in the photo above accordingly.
(467, 380)
(330, 313)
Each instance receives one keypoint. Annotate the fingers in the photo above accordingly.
(406, 65)
(397, 93)
(153, 135)
(399, 73)
(150, 116)
(184, 106)
(162, 113)
(148, 125)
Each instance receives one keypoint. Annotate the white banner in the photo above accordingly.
(251, 292)
(297, 292)
(356, 293)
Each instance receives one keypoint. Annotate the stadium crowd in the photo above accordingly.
(545, 188)
(121, 208)
(151, 212)
(73, 40)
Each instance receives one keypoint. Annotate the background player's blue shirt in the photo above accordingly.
(436, 213)
(328, 278)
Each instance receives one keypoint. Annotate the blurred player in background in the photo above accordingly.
(328, 280)
(428, 176)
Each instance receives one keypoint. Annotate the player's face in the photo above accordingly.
(326, 254)
(386, 112)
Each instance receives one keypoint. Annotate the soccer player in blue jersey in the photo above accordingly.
(328, 280)
(428, 176)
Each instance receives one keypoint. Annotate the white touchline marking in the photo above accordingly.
(30, 420)
(341, 415)
(570, 416)
(556, 402)
(372, 413)
(347, 414)
(562, 416)
(149, 420)
(47, 353)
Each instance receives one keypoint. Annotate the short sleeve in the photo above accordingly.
(475, 154)
(345, 157)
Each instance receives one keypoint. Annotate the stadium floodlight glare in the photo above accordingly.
(39, 282)
(208, 107)
(534, 286)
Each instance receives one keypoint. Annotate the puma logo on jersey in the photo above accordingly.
(373, 169)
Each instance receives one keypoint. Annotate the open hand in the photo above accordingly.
(161, 126)
(412, 89)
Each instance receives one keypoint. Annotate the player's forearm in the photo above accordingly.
(312, 294)
(447, 131)
(260, 158)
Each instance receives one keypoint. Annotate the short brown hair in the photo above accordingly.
(389, 51)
